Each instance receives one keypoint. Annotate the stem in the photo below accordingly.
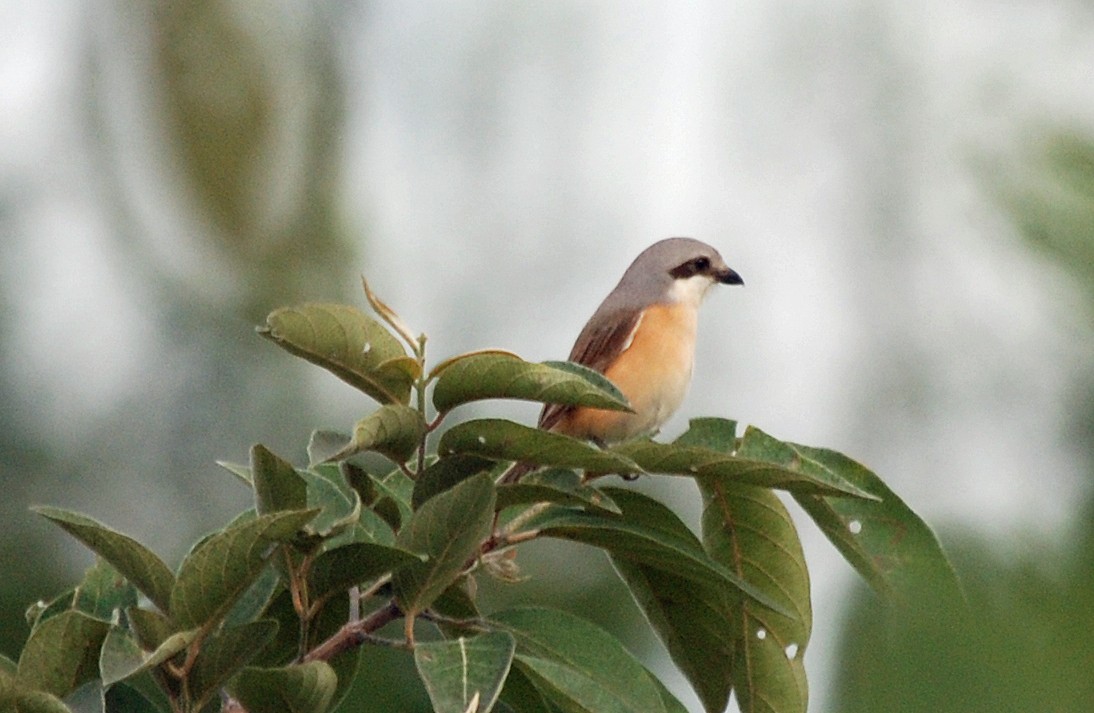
(432, 426)
(420, 387)
(524, 517)
(515, 539)
(354, 634)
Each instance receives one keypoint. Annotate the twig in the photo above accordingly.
(354, 634)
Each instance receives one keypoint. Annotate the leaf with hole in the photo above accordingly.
(349, 344)
(748, 530)
(893, 549)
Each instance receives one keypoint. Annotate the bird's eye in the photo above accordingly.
(691, 268)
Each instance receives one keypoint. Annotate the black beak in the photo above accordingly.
(728, 276)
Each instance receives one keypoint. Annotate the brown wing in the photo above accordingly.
(597, 347)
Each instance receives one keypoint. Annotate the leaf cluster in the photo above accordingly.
(271, 612)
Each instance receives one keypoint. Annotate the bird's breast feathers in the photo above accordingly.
(654, 369)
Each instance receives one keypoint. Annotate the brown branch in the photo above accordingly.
(354, 633)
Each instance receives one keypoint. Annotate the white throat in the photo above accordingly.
(690, 290)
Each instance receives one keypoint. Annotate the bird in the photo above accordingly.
(642, 338)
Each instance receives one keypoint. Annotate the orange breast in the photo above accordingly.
(653, 373)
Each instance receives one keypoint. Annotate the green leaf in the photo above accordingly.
(277, 485)
(577, 665)
(139, 695)
(672, 703)
(150, 627)
(521, 695)
(393, 430)
(121, 658)
(62, 653)
(221, 568)
(444, 473)
(341, 568)
(498, 375)
(172, 646)
(331, 619)
(396, 491)
(323, 445)
(20, 700)
(693, 620)
(448, 529)
(592, 376)
(102, 591)
(397, 485)
(137, 563)
(255, 599)
(349, 344)
(750, 531)
(647, 533)
(717, 434)
(505, 440)
(774, 465)
(339, 506)
(124, 658)
(758, 445)
(886, 542)
(389, 315)
(457, 604)
(370, 528)
(40, 611)
(224, 654)
(241, 472)
(555, 485)
(465, 674)
(302, 688)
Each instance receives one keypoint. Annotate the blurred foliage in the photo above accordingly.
(1025, 643)
(237, 135)
(1052, 204)
(255, 122)
(272, 611)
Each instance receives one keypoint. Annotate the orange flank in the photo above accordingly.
(653, 372)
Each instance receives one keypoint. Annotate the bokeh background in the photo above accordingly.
(907, 189)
